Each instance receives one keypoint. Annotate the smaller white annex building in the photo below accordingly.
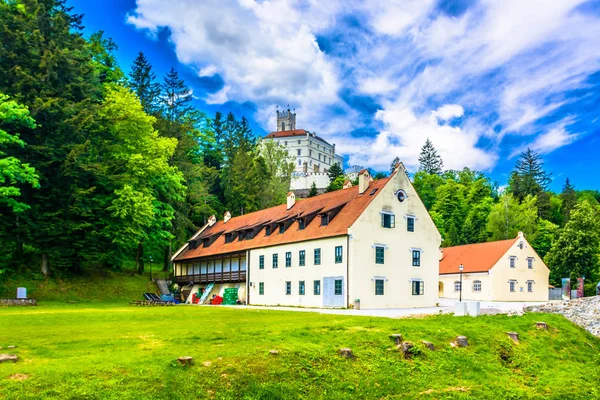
(506, 270)
(374, 242)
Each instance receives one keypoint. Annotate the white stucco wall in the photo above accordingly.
(468, 293)
(305, 181)
(397, 268)
(275, 278)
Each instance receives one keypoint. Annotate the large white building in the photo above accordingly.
(313, 155)
(374, 242)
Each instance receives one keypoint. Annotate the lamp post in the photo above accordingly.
(460, 268)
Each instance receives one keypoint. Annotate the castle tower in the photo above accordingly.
(286, 120)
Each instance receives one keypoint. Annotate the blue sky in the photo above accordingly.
(483, 80)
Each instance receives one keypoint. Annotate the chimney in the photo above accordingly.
(347, 184)
(520, 235)
(212, 220)
(227, 216)
(363, 181)
(441, 254)
(291, 200)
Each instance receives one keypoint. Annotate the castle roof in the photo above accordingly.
(294, 133)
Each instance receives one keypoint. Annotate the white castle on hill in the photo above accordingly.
(314, 155)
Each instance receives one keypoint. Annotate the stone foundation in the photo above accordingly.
(17, 302)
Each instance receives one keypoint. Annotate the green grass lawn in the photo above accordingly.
(112, 351)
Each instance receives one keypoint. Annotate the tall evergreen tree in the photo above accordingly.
(313, 190)
(177, 97)
(429, 159)
(334, 172)
(142, 81)
(568, 196)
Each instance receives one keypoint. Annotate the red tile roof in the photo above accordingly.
(352, 206)
(480, 257)
(294, 133)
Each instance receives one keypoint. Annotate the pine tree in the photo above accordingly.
(394, 163)
(568, 196)
(429, 160)
(313, 190)
(177, 97)
(334, 172)
(142, 81)
(529, 176)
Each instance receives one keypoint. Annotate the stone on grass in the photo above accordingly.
(273, 352)
(460, 341)
(406, 348)
(396, 338)
(541, 325)
(207, 363)
(185, 360)
(347, 353)
(514, 336)
(429, 345)
(8, 358)
(11, 347)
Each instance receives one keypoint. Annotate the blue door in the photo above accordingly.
(333, 291)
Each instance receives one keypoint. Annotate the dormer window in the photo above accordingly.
(324, 219)
(281, 228)
(267, 230)
(301, 223)
(229, 238)
(242, 235)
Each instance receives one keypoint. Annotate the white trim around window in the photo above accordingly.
(375, 245)
(375, 278)
(416, 249)
(406, 216)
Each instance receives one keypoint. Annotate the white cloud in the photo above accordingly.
(219, 97)
(555, 137)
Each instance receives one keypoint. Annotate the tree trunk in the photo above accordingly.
(139, 258)
(45, 264)
(167, 258)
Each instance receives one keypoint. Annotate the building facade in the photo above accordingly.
(374, 243)
(507, 270)
(312, 154)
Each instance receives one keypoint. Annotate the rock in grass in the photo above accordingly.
(207, 363)
(514, 336)
(429, 345)
(406, 349)
(460, 341)
(185, 360)
(396, 338)
(11, 347)
(541, 325)
(347, 353)
(8, 358)
(273, 352)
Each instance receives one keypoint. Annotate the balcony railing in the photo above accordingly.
(219, 277)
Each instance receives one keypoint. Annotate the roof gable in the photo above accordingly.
(480, 257)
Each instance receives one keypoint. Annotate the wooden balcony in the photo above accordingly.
(218, 277)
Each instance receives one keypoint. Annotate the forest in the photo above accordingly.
(101, 166)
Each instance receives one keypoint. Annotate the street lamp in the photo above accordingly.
(460, 268)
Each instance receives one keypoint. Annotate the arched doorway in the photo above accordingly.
(440, 289)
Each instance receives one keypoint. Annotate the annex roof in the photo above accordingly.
(480, 257)
(294, 133)
(349, 202)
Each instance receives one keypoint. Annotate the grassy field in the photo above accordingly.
(104, 351)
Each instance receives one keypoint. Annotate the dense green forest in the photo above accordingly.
(100, 167)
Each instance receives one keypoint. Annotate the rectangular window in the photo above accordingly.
(301, 223)
(338, 254)
(388, 220)
(288, 259)
(317, 288)
(281, 228)
(410, 224)
(379, 287)
(530, 263)
(337, 287)
(512, 261)
(379, 255)
(268, 230)
(299, 162)
(288, 288)
(530, 286)
(512, 285)
(416, 258)
(302, 258)
(324, 219)
(477, 286)
(261, 262)
(299, 141)
(275, 260)
(317, 256)
(261, 288)
(299, 152)
(418, 288)
(301, 288)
